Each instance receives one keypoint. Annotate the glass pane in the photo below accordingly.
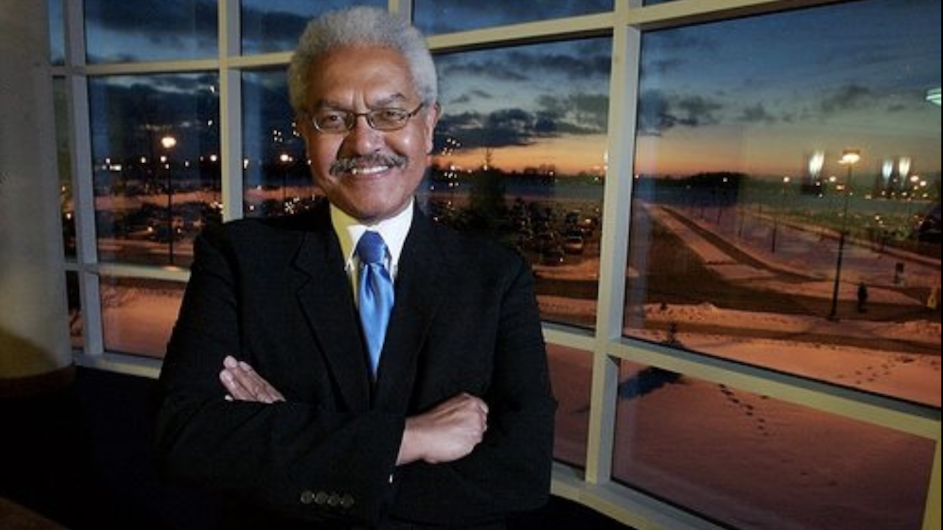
(64, 166)
(149, 31)
(753, 462)
(438, 16)
(138, 314)
(571, 375)
(75, 310)
(756, 234)
(155, 149)
(56, 32)
(275, 169)
(521, 155)
(275, 26)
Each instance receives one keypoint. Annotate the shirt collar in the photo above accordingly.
(393, 231)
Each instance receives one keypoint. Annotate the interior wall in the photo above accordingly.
(34, 337)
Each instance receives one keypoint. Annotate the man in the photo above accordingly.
(275, 392)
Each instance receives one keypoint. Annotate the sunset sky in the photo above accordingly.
(758, 95)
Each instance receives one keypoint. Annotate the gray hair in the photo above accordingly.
(361, 27)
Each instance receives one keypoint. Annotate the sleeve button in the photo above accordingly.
(307, 497)
(347, 501)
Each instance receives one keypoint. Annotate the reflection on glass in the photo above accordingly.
(138, 314)
(150, 31)
(521, 155)
(276, 176)
(745, 212)
(438, 16)
(56, 32)
(75, 309)
(753, 462)
(64, 167)
(571, 378)
(156, 169)
(274, 26)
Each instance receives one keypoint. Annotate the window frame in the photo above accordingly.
(592, 486)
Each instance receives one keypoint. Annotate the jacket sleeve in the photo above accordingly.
(296, 459)
(510, 470)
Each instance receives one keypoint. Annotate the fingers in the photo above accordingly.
(474, 406)
(449, 431)
(245, 384)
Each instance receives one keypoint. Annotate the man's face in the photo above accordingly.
(369, 174)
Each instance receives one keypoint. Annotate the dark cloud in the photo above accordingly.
(491, 69)
(658, 112)
(520, 66)
(470, 96)
(160, 18)
(574, 67)
(502, 128)
(579, 114)
(757, 114)
(445, 16)
(848, 98)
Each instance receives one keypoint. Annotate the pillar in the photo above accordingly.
(35, 350)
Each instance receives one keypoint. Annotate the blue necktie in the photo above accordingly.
(375, 294)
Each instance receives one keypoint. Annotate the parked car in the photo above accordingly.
(573, 244)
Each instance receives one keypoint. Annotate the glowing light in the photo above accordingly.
(168, 142)
(850, 156)
(816, 161)
(903, 166)
(887, 169)
(933, 96)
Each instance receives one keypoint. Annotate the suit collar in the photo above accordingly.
(328, 303)
(419, 290)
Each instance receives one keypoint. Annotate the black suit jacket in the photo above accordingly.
(275, 294)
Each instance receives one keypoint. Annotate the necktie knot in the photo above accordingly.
(371, 248)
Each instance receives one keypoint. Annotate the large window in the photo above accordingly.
(749, 461)
(521, 155)
(784, 210)
(118, 32)
(155, 174)
(732, 214)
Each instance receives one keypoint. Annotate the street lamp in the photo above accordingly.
(169, 142)
(849, 158)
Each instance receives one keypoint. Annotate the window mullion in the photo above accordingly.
(79, 123)
(230, 109)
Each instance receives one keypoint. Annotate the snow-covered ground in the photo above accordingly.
(745, 459)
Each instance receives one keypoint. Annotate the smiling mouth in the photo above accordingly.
(365, 166)
(367, 171)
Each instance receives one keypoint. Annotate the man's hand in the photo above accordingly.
(245, 384)
(446, 433)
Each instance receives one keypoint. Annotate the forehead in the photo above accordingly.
(370, 75)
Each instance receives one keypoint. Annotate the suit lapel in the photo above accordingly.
(418, 292)
(328, 304)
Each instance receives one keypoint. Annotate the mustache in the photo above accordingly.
(347, 165)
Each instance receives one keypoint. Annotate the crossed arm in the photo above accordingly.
(446, 433)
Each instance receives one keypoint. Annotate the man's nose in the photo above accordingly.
(362, 137)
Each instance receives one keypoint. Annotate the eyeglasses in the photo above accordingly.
(331, 121)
